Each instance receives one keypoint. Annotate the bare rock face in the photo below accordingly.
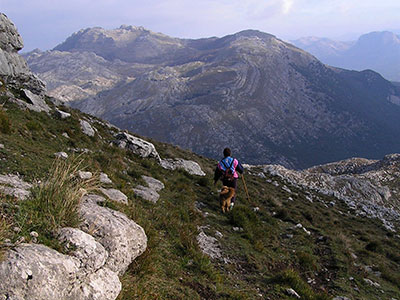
(136, 145)
(99, 252)
(13, 68)
(121, 237)
(14, 186)
(36, 272)
(369, 187)
(115, 195)
(150, 192)
(189, 166)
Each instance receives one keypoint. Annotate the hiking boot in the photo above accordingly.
(232, 204)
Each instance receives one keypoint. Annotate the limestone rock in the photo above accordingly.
(103, 284)
(13, 68)
(61, 155)
(189, 166)
(62, 114)
(136, 145)
(91, 254)
(121, 237)
(105, 179)
(153, 183)
(84, 175)
(115, 195)
(36, 102)
(14, 186)
(209, 245)
(369, 187)
(36, 272)
(87, 128)
(147, 193)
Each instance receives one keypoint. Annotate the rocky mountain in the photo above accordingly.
(74, 189)
(378, 51)
(267, 99)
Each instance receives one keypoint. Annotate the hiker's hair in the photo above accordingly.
(227, 152)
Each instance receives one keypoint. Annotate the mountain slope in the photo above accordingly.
(286, 238)
(267, 99)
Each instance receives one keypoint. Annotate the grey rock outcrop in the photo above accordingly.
(115, 195)
(209, 245)
(14, 186)
(153, 183)
(100, 251)
(121, 237)
(87, 128)
(62, 114)
(369, 187)
(105, 179)
(189, 166)
(136, 145)
(61, 155)
(14, 70)
(36, 272)
(150, 192)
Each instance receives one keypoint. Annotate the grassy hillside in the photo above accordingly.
(263, 252)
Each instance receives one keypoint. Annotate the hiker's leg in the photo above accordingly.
(234, 185)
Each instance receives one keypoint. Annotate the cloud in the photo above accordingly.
(287, 6)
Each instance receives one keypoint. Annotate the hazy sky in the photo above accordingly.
(45, 23)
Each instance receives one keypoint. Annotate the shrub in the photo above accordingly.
(55, 202)
(292, 279)
(33, 125)
(307, 261)
(5, 124)
(374, 246)
(245, 217)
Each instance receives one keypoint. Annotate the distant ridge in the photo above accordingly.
(267, 99)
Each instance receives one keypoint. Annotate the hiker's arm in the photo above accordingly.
(239, 168)
(217, 174)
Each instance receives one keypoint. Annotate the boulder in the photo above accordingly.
(36, 272)
(62, 114)
(115, 195)
(136, 145)
(14, 70)
(209, 245)
(14, 186)
(146, 193)
(153, 183)
(84, 175)
(105, 179)
(123, 239)
(91, 254)
(189, 166)
(149, 193)
(87, 128)
(61, 155)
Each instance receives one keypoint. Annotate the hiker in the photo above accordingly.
(227, 170)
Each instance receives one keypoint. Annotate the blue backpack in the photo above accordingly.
(228, 168)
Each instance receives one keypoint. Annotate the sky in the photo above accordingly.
(44, 24)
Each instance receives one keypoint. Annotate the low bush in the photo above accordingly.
(55, 202)
(5, 123)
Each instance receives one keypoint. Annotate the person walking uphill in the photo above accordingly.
(227, 170)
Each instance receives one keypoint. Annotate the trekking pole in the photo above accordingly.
(245, 188)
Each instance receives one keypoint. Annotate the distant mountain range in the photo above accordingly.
(268, 100)
(378, 51)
